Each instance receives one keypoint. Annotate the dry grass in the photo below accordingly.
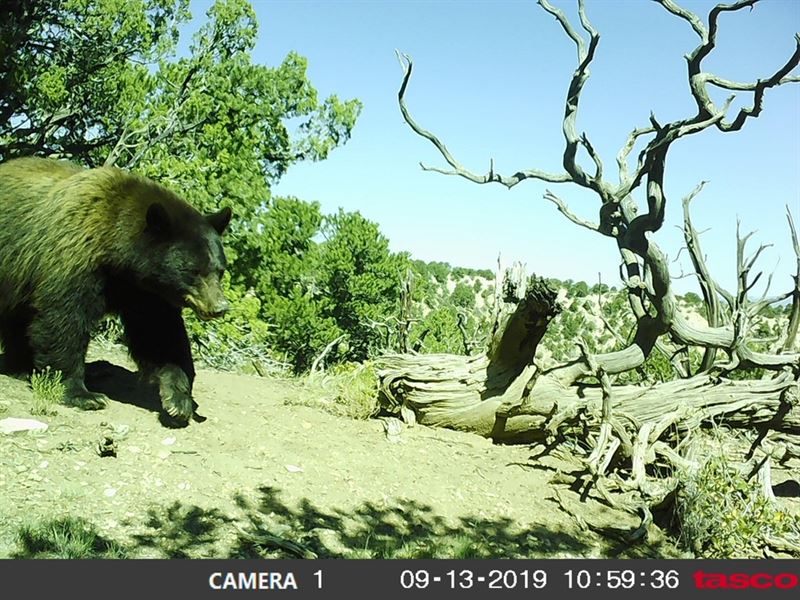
(349, 390)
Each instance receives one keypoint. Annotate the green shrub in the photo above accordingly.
(48, 391)
(65, 537)
(693, 299)
(463, 296)
(723, 515)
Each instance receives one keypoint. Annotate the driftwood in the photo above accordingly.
(505, 395)
(465, 392)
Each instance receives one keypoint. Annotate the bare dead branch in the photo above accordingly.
(598, 163)
(564, 210)
(622, 157)
(580, 44)
(744, 266)
(656, 150)
(708, 286)
(698, 79)
(708, 113)
(324, 353)
(579, 78)
(687, 15)
(456, 167)
(727, 296)
(794, 319)
(760, 88)
(755, 308)
(585, 23)
(751, 261)
(738, 86)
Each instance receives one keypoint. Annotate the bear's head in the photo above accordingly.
(186, 259)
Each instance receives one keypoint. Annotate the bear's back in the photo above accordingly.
(58, 219)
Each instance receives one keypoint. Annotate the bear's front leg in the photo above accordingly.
(58, 336)
(159, 345)
(76, 394)
(175, 390)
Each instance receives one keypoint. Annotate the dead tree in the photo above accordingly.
(504, 394)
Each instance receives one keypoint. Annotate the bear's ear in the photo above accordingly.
(219, 220)
(157, 219)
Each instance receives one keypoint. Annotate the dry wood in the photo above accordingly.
(505, 395)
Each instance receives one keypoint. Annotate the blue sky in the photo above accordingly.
(490, 79)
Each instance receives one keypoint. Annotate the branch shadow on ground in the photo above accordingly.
(267, 527)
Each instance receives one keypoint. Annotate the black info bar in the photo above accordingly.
(441, 579)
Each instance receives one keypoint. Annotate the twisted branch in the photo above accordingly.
(646, 270)
(456, 167)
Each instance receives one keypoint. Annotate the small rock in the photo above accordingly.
(168, 441)
(393, 428)
(44, 464)
(164, 454)
(184, 485)
(294, 469)
(106, 447)
(13, 425)
(110, 492)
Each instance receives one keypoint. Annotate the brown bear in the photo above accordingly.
(76, 244)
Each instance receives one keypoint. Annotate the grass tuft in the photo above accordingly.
(48, 391)
(348, 390)
(65, 537)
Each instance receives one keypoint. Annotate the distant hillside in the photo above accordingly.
(598, 313)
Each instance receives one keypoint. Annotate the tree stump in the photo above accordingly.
(465, 392)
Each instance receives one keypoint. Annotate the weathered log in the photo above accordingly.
(448, 391)
(464, 392)
(504, 395)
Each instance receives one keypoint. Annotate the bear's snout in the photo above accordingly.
(220, 309)
(207, 299)
(206, 312)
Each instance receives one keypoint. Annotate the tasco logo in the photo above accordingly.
(741, 581)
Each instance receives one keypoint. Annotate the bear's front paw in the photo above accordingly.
(176, 393)
(86, 400)
(177, 404)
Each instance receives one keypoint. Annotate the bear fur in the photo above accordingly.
(76, 244)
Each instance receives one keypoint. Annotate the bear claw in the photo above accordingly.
(86, 401)
(178, 406)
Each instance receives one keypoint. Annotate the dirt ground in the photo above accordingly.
(258, 476)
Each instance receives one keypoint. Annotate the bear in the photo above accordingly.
(77, 244)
